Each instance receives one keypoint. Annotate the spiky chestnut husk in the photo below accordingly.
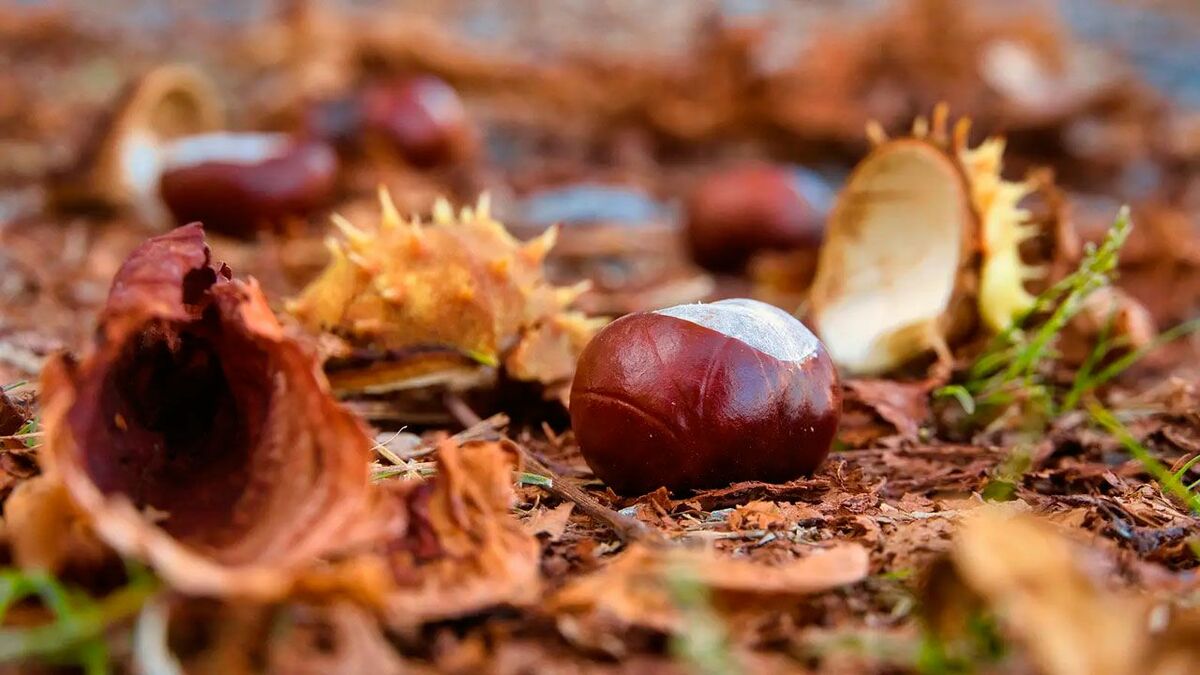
(923, 244)
(413, 303)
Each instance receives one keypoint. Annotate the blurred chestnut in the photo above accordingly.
(241, 183)
(734, 213)
(422, 118)
(703, 395)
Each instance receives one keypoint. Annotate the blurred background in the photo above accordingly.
(616, 119)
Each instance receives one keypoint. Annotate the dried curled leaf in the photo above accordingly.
(633, 591)
(47, 532)
(177, 634)
(459, 549)
(13, 415)
(904, 405)
(196, 436)
(924, 243)
(460, 288)
(1031, 577)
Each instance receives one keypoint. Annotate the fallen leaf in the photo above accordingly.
(904, 405)
(196, 436)
(1032, 577)
(633, 591)
(551, 522)
(459, 549)
(47, 532)
(13, 415)
(756, 515)
(337, 639)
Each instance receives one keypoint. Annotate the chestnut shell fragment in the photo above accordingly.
(698, 396)
(242, 183)
(196, 435)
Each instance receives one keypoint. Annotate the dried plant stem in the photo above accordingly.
(627, 529)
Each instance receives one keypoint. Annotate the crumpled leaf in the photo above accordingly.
(196, 436)
(400, 290)
(550, 522)
(46, 531)
(904, 405)
(633, 591)
(198, 636)
(458, 549)
(12, 415)
(1030, 576)
(341, 638)
(1112, 313)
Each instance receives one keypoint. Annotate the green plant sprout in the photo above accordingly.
(1012, 368)
(1172, 483)
(702, 642)
(76, 634)
(981, 643)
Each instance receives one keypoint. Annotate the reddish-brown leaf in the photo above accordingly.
(196, 436)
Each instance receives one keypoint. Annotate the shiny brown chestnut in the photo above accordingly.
(239, 183)
(704, 395)
(734, 213)
(422, 118)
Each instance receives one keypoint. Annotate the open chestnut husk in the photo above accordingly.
(735, 213)
(925, 245)
(703, 395)
(196, 436)
(120, 163)
(239, 183)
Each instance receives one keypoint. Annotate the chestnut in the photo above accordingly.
(703, 395)
(422, 118)
(238, 183)
(734, 213)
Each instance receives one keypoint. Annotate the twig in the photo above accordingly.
(627, 529)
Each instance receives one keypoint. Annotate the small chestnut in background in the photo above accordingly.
(734, 213)
(239, 183)
(704, 395)
(422, 118)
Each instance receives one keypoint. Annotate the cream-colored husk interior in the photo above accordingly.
(892, 254)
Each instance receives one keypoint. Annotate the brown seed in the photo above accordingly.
(422, 118)
(241, 183)
(734, 213)
(704, 395)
